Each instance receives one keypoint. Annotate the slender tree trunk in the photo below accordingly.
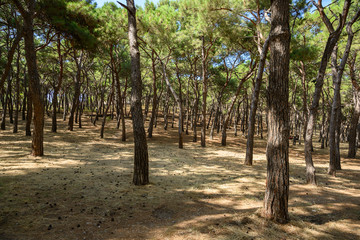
(356, 114)
(10, 56)
(254, 104)
(77, 86)
(154, 105)
(277, 151)
(109, 101)
(141, 158)
(5, 106)
(17, 92)
(230, 109)
(336, 106)
(330, 44)
(57, 86)
(204, 78)
(24, 104)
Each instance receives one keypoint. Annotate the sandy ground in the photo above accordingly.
(81, 189)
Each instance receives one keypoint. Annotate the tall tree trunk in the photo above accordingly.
(204, 78)
(10, 56)
(254, 104)
(5, 106)
(337, 72)
(178, 99)
(17, 92)
(109, 101)
(34, 79)
(154, 101)
(330, 44)
(77, 86)
(356, 114)
(141, 158)
(277, 151)
(57, 86)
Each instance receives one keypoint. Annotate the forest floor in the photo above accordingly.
(82, 189)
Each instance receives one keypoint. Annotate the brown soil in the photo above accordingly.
(81, 189)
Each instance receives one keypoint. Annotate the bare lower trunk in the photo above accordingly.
(254, 105)
(277, 151)
(141, 157)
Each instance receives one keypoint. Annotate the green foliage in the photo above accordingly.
(75, 19)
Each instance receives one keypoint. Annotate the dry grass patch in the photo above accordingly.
(81, 189)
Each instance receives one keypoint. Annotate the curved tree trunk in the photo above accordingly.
(309, 128)
(254, 104)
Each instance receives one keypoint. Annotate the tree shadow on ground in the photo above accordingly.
(82, 189)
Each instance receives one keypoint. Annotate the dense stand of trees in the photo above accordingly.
(202, 62)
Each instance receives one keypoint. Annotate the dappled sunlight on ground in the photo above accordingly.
(82, 189)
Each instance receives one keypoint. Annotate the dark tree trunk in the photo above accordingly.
(204, 78)
(109, 101)
(356, 114)
(34, 79)
(66, 106)
(277, 152)
(10, 56)
(5, 105)
(17, 92)
(154, 101)
(24, 104)
(77, 86)
(57, 87)
(29, 112)
(141, 158)
(166, 109)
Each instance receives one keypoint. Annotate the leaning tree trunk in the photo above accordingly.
(141, 158)
(338, 71)
(309, 128)
(178, 100)
(230, 109)
(254, 105)
(277, 151)
(3, 116)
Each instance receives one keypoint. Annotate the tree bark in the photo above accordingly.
(356, 114)
(277, 152)
(154, 101)
(34, 79)
(330, 44)
(141, 158)
(254, 104)
(57, 86)
(337, 72)
(77, 86)
(17, 92)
